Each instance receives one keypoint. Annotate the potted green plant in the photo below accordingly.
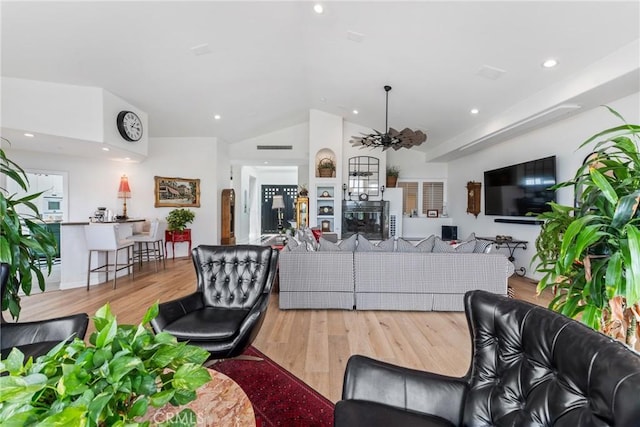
(326, 167)
(589, 254)
(392, 176)
(123, 372)
(25, 240)
(178, 219)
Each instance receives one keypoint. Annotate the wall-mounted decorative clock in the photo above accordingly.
(473, 197)
(129, 126)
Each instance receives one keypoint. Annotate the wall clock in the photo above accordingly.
(473, 197)
(129, 126)
(364, 197)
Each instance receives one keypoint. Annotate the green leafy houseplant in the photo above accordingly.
(111, 382)
(178, 219)
(24, 237)
(393, 171)
(589, 254)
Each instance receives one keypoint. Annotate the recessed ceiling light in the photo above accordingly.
(127, 158)
(29, 135)
(355, 111)
(474, 111)
(550, 63)
(105, 148)
(266, 163)
(317, 8)
(217, 117)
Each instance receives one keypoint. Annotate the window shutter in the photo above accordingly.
(409, 196)
(432, 196)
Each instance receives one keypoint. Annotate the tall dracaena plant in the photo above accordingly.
(589, 253)
(24, 237)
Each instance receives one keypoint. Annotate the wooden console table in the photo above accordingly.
(511, 245)
(177, 237)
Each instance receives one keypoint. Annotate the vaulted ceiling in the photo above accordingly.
(262, 65)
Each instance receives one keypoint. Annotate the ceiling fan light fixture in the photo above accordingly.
(391, 138)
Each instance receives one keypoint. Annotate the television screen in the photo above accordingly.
(518, 189)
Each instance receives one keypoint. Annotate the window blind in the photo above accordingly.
(432, 196)
(409, 196)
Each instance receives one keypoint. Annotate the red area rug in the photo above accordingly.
(278, 397)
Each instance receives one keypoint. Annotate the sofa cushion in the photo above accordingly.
(295, 245)
(440, 246)
(364, 245)
(425, 245)
(465, 247)
(346, 245)
(483, 246)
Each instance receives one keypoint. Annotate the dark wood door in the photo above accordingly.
(270, 216)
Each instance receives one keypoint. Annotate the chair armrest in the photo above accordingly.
(58, 329)
(424, 392)
(171, 311)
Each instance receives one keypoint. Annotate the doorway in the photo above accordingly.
(269, 223)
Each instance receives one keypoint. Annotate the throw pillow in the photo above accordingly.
(349, 244)
(440, 246)
(304, 247)
(387, 245)
(326, 246)
(465, 247)
(364, 245)
(483, 246)
(292, 244)
(405, 246)
(426, 245)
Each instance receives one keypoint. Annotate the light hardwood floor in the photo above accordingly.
(312, 344)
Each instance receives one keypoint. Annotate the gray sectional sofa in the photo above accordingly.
(384, 280)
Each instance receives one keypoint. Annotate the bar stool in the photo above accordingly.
(155, 238)
(104, 238)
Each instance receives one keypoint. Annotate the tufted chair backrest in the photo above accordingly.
(534, 367)
(234, 276)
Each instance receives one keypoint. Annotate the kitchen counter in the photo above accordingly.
(124, 221)
(74, 254)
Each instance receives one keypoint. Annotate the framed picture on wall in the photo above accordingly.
(432, 213)
(177, 192)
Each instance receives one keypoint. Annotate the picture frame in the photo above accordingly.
(432, 213)
(174, 192)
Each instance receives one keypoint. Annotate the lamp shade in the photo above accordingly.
(278, 202)
(124, 191)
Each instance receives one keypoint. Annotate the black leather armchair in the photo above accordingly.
(37, 338)
(226, 312)
(530, 367)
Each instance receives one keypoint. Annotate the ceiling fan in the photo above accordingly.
(391, 138)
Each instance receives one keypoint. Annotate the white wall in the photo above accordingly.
(52, 108)
(560, 139)
(93, 182)
(245, 152)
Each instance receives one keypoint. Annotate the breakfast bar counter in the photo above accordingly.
(74, 254)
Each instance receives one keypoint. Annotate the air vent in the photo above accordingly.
(275, 147)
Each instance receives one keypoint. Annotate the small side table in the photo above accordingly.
(176, 237)
(511, 245)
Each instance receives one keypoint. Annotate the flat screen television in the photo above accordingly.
(518, 189)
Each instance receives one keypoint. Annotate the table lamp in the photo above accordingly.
(278, 203)
(123, 192)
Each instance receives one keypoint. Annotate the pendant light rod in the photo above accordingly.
(386, 113)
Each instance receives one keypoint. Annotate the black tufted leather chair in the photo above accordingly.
(226, 312)
(37, 338)
(530, 367)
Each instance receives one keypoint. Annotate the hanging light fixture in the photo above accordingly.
(391, 138)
